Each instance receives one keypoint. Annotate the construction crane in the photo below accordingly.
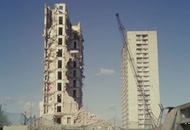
(153, 120)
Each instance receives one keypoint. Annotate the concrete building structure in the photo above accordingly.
(135, 104)
(63, 75)
(177, 118)
(63, 66)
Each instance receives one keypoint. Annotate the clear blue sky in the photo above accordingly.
(21, 51)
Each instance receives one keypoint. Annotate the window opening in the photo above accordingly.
(59, 120)
(59, 98)
(58, 108)
(68, 120)
(59, 64)
(59, 53)
(59, 86)
(60, 7)
(74, 93)
(59, 75)
(60, 31)
(74, 55)
(60, 41)
(75, 36)
(74, 73)
(60, 20)
(74, 83)
(74, 64)
(75, 45)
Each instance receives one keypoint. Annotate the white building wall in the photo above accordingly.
(143, 46)
(154, 76)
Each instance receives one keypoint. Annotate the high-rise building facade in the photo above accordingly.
(63, 66)
(139, 100)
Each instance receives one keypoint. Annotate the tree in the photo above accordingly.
(3, 118)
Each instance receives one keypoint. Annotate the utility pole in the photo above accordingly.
(30, 116)
(1, 120)
(114, 122)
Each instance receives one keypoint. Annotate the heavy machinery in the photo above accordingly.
(154, 122)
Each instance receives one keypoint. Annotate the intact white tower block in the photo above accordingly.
(63, 66)
(143, 45)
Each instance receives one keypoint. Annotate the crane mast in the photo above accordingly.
(153, 120)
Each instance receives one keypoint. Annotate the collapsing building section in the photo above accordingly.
(63, 67)
(177, 118)
(83, 121)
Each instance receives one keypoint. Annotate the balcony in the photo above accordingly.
(139, 46)
(145, 41)
(140, 99)
(138, 39)
(146, 74)
(141, 103)
(145, 36)
(140, 74)
(139, 50)
(141, 112)
(146, 88)
(141, 117)
(139, 43)
(145, 64)
(146, 79)
(140, 65)
(147, 93)
(146, 70)
(141, 107)
(145, 51)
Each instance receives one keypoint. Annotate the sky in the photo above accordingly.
(21, 51)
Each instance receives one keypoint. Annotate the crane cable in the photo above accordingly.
(136, 76)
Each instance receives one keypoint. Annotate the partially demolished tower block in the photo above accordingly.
(63, 66)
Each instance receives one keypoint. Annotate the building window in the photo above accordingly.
(59, 86)
(75, 45)
(74, 64)
(59, 75)
(144, 36)
(59, 41)
(60, 20)
(59, 98)
(74, 93)
(68, 120)
(59, 64)
(74, 73)
(58, 108)
(58, 120)
(46, 77)
(61, 7)
(74, 83)
(59, 53)
(60, 31)
(74, 55)
(45, 99)
(75, 36)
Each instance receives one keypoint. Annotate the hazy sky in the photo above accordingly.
(21, 51)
